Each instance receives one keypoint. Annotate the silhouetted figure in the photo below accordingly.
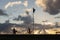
(29, 30)
(14, 31)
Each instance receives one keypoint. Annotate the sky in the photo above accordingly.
(16, 7)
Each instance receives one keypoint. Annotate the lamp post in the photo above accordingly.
(33, 19)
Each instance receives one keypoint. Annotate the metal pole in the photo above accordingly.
(33, 19)
(33, 23)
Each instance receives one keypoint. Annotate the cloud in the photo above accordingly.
(20, 16)
(23, 14)
(57, 17)
(28, 9)
(26, 19)
(25, 3)
(17, 19)
(40, 3)
(12, 3)
(50, 6)
(16, 22)
(2, 13)
(49, 23)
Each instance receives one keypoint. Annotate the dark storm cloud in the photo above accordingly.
(57, 4)
(50, 6)
(2, 13)
(52, 11)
